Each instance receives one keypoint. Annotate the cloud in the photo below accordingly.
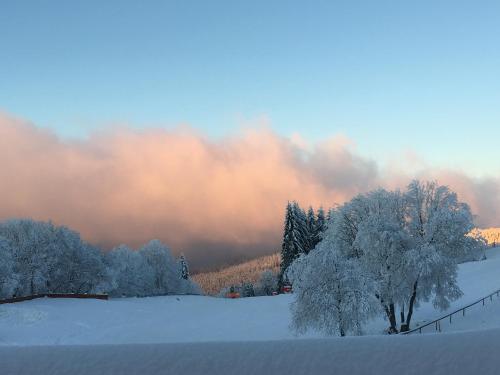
(218, 201)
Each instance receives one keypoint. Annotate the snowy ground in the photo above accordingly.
(206, 330)
(455, 353)
(199, 319)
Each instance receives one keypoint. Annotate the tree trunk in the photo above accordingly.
(406, 327)
(391, 315)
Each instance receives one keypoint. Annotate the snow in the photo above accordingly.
(196, 334)
(456, 353)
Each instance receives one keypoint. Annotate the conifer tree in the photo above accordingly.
(320, 226)
(294, 238)
(310, 230)
(184, 268)
(286, 246)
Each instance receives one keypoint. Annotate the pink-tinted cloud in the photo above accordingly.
(216, 200)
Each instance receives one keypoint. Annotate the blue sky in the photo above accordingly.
(392, 76)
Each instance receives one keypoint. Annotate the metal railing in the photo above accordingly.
(437, 322)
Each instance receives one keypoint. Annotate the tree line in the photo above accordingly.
(39, 257)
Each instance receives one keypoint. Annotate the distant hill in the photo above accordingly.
(491, 235)
(213, 282)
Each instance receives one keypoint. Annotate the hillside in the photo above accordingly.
(491, 235)
(247, 272)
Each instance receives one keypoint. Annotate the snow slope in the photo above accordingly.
(456, 353)
(176, 319)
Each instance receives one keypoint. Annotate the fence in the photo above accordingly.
(54, 295)
(437, 322)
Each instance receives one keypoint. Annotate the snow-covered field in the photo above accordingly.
(457, 354)
(207, 325)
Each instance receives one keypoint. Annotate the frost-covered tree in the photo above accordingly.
(161, 261)
(267, 284)
(8, 278)
(79, 267)
(320, 225)
(331, 293)
(247, 290)
(438, 225)
(384, 247)
(187, 285)
(311, 231)
(52, 259)
(295, 238)
(131, 275)
(183, 267)
(35, 252)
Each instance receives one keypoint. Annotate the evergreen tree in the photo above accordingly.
(294, 238)
(247, 290)
(319, 228)
(310, 230)
(286, 246)
(184, 268)
(300, 232)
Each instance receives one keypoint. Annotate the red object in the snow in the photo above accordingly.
(287, 289)
(233, 295)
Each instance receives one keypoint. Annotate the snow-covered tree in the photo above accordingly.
(79, 267)
(131, 275)
(183, 267)
(8, 278)
(247, 290)
(438, 225)
(187, 285)
(161, 261)
(320, 225)
(331, 293)
(384, 245)
(295, 238)
(311, 231)
(267, 284)
(35, 253)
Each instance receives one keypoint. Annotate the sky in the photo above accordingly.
(278, 100)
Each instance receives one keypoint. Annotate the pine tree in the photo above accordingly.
(311, 230)
(184, 268)
(286, 247)
(294, 238)
(320, 227)
(300, 233)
